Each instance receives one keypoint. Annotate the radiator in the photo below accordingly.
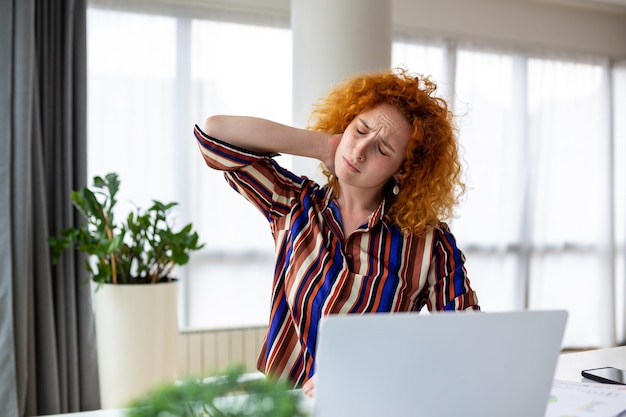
(203, 353)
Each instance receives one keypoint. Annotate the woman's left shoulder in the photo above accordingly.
(439, 227)
(442, 231)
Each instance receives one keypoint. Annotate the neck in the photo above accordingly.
(358, 200)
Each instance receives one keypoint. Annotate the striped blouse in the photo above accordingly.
(320, 271)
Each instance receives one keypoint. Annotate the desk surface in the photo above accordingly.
(568, 368)
(570, 365)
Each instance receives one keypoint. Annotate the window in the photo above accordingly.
(423, 57)
(150, 79)
(539, 230)
(542, 223)
(491, 118)
(537, 219)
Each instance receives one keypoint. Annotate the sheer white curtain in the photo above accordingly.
(571, 263)
(619, 186)
(548, 203)
(131, 87)
(537, 218)
(491, 128)
(544, 207)
(488, 110)
(151, 77)
(246, 70)
(423, 56)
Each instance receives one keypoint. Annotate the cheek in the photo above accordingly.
(390, 168)
(398, 165)
(343, 147)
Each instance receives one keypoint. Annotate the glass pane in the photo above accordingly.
(229, 293)
(570, 281)
(569, 138)
(489, 108)
(150, 78)
(131, 74)
(242, 70)
(493, 277)
(427, 60)
(570, 204)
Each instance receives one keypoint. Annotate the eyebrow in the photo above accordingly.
(384, 142)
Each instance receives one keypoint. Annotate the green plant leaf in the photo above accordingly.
(227, 394)
(143, 246)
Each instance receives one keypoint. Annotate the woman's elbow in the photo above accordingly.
(213, 126)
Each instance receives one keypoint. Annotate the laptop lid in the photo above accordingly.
(437, 365)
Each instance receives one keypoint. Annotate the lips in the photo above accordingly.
(350, 166)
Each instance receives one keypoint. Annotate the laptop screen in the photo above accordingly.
(437, 365)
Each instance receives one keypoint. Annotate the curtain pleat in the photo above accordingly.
(47, 336)
(8, 390)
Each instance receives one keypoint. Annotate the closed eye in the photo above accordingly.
(361, 127)
(386, 145)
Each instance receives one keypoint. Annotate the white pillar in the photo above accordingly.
(334, 40)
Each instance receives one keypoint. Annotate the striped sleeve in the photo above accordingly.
(449, 286)
(224, 156)
(253, 175)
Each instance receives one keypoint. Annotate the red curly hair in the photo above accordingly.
(430, 177)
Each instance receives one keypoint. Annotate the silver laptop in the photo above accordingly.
(438, 365)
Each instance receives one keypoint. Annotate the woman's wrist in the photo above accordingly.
(328, 152)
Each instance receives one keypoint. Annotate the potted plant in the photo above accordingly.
(136, 308)
(144, 249)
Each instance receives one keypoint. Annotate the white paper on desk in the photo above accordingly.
(580, 399)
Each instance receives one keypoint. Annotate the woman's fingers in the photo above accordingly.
(309, 387)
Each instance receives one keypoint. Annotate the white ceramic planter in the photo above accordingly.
(136, 330)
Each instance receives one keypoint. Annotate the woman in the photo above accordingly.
(372, 239)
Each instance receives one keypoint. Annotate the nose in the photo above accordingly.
(360, 149)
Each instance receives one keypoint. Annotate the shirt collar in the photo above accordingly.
(378, 215)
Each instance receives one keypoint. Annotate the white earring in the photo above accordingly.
(396, 189)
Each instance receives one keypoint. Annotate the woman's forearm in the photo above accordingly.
(265, 136)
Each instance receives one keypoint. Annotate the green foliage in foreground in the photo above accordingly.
(227, 395)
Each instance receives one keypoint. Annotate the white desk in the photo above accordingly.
(570, 365)
(568, 368)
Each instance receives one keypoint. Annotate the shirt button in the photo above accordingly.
(349, 256)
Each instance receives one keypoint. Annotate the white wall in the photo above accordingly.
(523, 23)
(532, 24)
